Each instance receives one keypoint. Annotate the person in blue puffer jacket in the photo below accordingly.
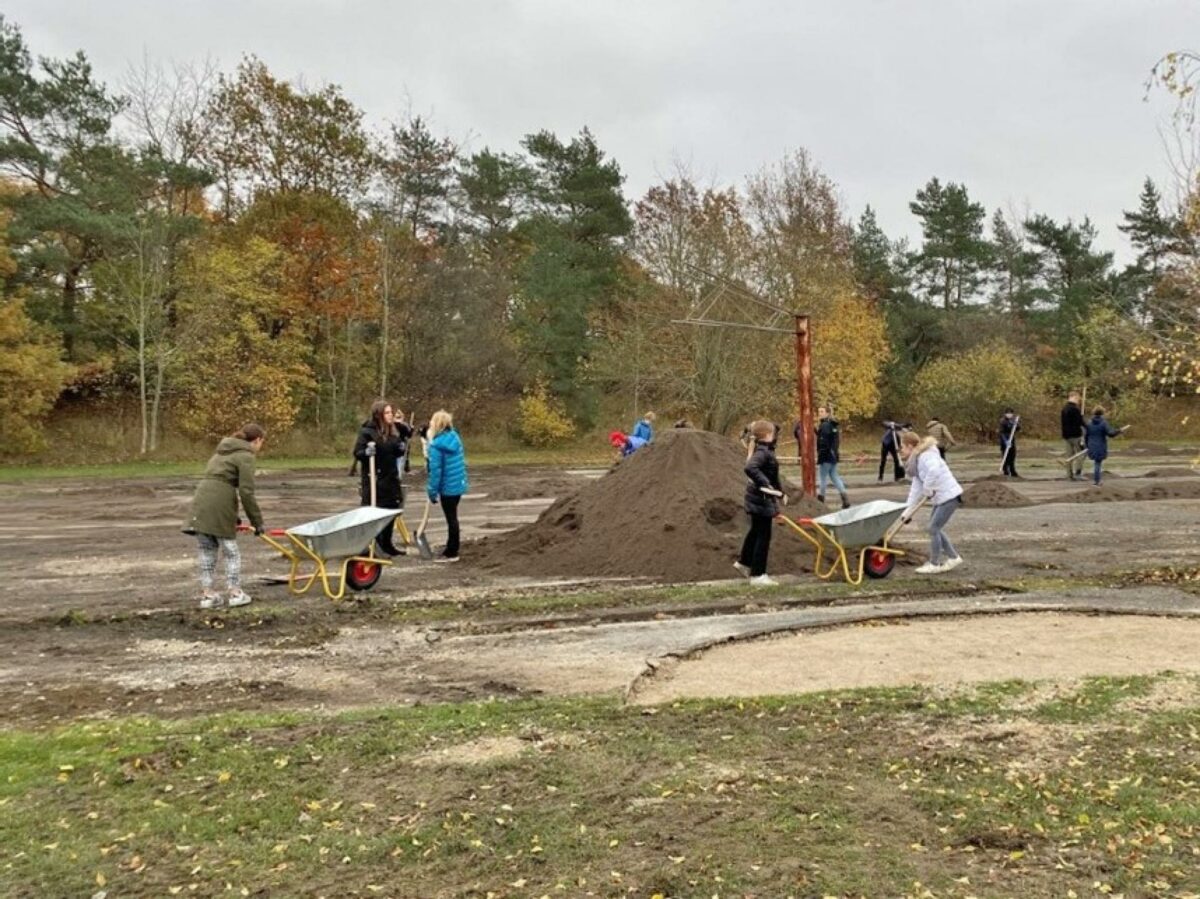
(644, 429)
(1096, 434)
(447, 480)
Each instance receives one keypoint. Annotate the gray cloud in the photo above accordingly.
(1026, 102)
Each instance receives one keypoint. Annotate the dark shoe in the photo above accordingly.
(820, 497)
(845, 501)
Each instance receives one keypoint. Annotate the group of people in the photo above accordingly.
(930, 476)
(913, 459)
(382, 449)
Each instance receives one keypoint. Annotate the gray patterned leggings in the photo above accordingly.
(208, 544)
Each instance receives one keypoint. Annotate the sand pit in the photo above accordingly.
(1026, 646)
(671, 511)
(990, 494)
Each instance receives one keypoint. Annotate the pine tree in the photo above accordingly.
(1152, 234)
(1014, 269)
(954, 253)
(873, 258)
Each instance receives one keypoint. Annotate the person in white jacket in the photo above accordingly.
(931, 478)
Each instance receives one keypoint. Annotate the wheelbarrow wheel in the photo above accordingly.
(362, 575)
(878, 564)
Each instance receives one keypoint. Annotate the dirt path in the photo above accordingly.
(943, 652)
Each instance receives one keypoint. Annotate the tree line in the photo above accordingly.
(214, 246)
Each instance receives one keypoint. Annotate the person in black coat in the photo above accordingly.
(829, 443)
(890, 446)
(382, 443)
(762, 506)
(1009, 425)
(1072, 433)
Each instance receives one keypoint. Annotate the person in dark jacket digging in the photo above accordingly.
(890, 446)
(762, 506)
(1010, 423)
(1072, 433)
(828, 448)
(1097, 432)
(381, 445)
(228, 477)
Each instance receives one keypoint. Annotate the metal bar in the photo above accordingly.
(804, 402)
(733, 285)
(719, 324)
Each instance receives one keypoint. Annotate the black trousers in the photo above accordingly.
(1010, 461)
(450, 510)
(897, 468)
(757, 544)
(941, 449)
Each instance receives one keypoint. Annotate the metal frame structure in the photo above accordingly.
(801, 331)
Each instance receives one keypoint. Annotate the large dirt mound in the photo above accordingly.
(989, 494)
(672, 511)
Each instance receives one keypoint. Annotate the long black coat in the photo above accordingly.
(828, 441)
(1072, 422)
(389, 456)
(763, 471)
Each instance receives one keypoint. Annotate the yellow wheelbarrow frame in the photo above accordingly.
(824, 540)
(300, 555)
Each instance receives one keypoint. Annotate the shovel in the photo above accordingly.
(902, 521)
(422, 541)
(1083, 452)
(1009, 445)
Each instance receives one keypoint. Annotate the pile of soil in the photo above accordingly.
(1171, 471)
(671, 511)
(989, 494)
(1105, 493)
(1186, 490)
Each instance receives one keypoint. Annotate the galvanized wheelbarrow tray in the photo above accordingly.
(348, 538)
(865, 529)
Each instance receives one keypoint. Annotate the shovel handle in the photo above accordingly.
(903, 520)
(424, 518)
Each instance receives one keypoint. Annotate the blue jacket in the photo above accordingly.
(633, 444)
(643, 430)
(1097, 432)
(447, 465)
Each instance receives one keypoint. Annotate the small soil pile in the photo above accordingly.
(1171, 471)
(1105, 493)
(1185, 490)
(989, 494)
(532, 489)
(672, 511)
(995, 479)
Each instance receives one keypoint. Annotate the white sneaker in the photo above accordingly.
(764, 580)
(930, 568)
(951, 564)
(211, 600)
(743, 570)
(238, 598)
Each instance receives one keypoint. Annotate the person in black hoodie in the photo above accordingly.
(828, 449)
(1009, 425)
(1072, 433)
(763, 495)
(382, 444)
(890, 446)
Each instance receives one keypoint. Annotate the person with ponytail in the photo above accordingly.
(228, 477)
(931, 480)
(763, 495)
(447, 482)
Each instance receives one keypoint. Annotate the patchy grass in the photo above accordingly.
(881, 792)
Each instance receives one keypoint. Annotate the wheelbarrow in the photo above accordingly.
(865, 529)
(347, 538)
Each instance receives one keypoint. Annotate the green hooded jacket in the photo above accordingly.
(228, 475)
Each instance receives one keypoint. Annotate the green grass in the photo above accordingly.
(876, 793)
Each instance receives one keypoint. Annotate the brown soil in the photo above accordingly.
(1171, 471)
(1105, 493)
(1186, 490)
(549, 486)
(673, 510)
(989, 494)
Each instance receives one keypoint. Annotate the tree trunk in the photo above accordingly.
(69, 311)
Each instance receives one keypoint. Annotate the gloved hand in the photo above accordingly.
(370, 449)
(259, 529)
(434, 500)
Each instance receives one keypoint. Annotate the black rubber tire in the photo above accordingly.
(878, 564)
(363, 575)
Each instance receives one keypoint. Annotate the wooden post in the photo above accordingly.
(804, 402)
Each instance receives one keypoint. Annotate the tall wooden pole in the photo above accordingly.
(804, 400)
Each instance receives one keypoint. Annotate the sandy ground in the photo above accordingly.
(1031, 647)
(110, 553)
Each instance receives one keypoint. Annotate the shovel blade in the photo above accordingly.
(423, 546)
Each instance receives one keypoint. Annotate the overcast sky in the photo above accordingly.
(1034, 104)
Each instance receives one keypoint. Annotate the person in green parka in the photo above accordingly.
(228, 476)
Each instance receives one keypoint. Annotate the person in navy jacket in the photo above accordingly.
(1096, 434)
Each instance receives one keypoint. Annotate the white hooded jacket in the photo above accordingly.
(930, 475)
